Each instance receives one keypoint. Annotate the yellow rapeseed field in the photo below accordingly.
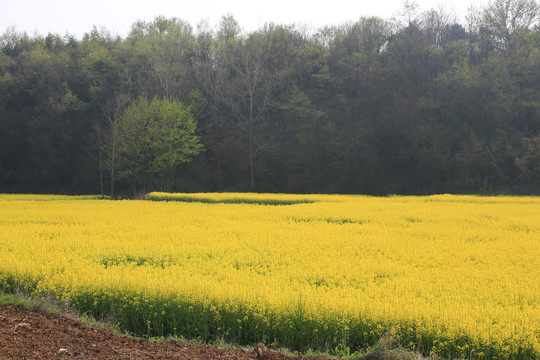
(456, 276)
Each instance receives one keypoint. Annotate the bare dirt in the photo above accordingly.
(33, 335)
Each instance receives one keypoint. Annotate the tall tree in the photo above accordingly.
(210, 66)
(106, 137)
(249, 89)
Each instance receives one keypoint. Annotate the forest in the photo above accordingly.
(416, 104)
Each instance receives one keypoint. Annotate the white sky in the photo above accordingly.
(77, 17)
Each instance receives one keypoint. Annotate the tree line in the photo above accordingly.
(416, 104)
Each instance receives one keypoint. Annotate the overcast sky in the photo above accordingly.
(78, 17)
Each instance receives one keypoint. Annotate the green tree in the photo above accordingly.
(153, 138)
(166, 49)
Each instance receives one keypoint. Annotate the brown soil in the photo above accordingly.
(33, 335)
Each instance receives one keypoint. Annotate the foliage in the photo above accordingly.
(153, 138)
(450, 274)
(419, 104)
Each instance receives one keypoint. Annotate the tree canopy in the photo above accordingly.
(152, 139)
(415, 105)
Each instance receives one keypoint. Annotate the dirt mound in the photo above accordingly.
(32, 335)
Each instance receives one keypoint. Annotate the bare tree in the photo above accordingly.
(505, 17)
(211, 76)
(112, 110)
(437, 25)
(250, 89)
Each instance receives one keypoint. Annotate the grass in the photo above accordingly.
(49, 305)
(388, 347)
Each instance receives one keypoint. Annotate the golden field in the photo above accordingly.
(456, 276)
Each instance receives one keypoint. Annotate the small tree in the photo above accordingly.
(153, 138)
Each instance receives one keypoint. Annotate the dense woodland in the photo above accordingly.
(416, 104)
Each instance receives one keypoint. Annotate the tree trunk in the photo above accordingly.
(113, 155)
(250, 135)
(220, 173)
(101, 175)
(251, 159)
